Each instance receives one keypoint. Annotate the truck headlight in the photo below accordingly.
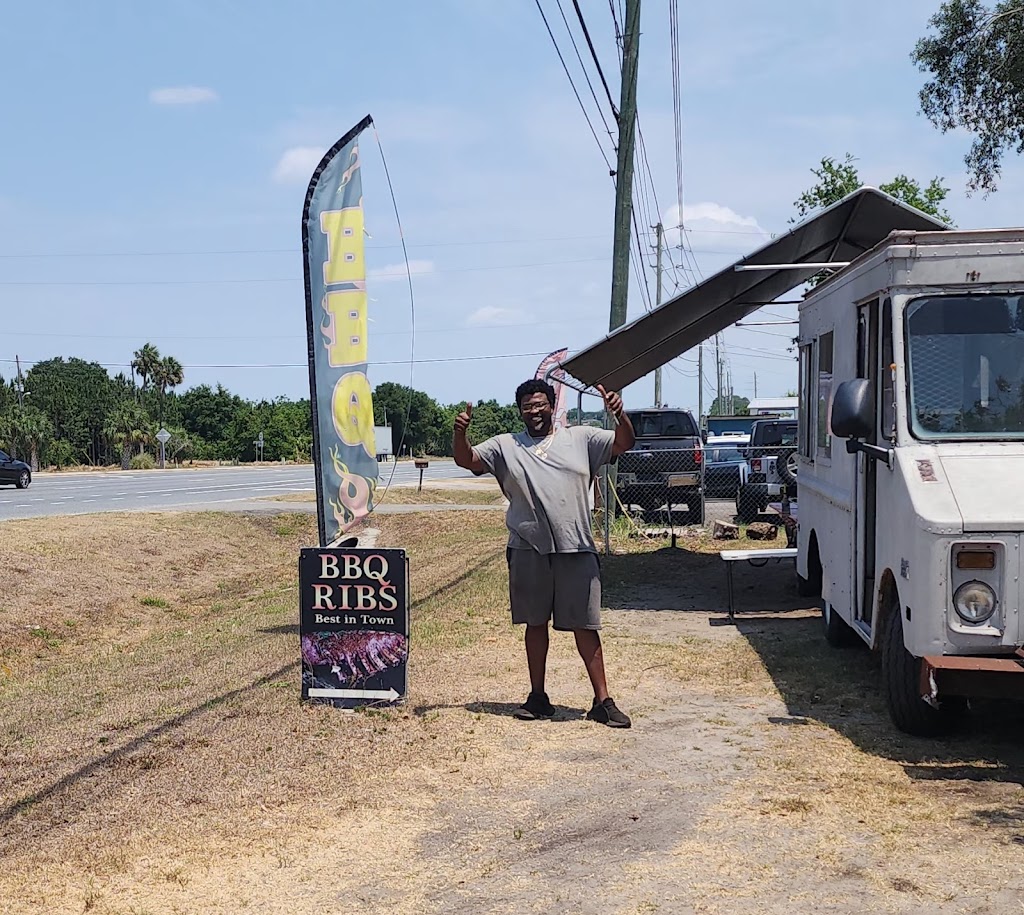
(974, 601)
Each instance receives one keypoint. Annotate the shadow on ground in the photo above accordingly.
(676, 578)
(838, 687)
(501, 709)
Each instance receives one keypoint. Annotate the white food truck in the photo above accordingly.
(911, 465)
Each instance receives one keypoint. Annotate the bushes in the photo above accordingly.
(144, 461)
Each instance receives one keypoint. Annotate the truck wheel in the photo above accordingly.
(837, 631)
(811, 585)
(901, 679)
(788, 467)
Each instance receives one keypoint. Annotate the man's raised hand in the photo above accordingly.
(463, 420)
(611, 400)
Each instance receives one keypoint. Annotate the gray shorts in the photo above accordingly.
(562, 587)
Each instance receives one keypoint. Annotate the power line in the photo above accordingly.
(593, 53)
(287, 279)
(558, 51)
(379, 275)
(304, 365)
(156, 335)
(68, 255)
(586, 76)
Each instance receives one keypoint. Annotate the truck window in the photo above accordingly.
(824, 392)
(662, 424)
(805, 399)
(888, 411)
(965, 366)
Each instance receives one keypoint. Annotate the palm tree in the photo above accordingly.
(9, 432)
(145, 363)
(167, 374)
(126, 428)
(33, 427)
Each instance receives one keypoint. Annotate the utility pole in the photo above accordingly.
(21, 383)
(624, 166)
(718, 375)
(659, 231)
(700, 382)
(755, 385)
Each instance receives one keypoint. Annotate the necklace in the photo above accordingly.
(541, 448)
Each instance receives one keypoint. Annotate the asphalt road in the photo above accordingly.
(157, 490)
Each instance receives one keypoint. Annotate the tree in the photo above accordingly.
(836, 179)
(179, 445)
(975, 61)
(207, 414)
(32, 428)
(126, 427)
(145, 362)
(167, 373)
(77, 396)
(414, 415)
(720, 406)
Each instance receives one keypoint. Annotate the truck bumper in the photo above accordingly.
(956, 675)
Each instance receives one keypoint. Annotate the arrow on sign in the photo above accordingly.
(323, 693)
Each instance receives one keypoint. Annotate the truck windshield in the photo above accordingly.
(662, 424)
(965, 365)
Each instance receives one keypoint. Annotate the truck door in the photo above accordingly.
(874, 355)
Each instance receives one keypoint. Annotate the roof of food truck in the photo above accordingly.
(926, 239)
(841, 232)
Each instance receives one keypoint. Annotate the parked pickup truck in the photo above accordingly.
(664, 469)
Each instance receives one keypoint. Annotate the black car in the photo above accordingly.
(12, 471)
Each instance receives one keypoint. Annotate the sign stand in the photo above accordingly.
(163, 437)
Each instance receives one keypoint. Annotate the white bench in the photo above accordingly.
(755, 558)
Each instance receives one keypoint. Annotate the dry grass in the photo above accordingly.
(156, 759)
(407, 495)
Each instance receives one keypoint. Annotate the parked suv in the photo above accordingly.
(664, 467)
(771, 466)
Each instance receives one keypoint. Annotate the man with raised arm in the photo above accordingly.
(553, 569)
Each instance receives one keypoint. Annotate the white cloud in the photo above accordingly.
(491, 315)
(183, 95)
(392, 272)
(296, 165)
(712, 228)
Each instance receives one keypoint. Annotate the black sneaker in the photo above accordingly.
(608, 713)
(535, 707)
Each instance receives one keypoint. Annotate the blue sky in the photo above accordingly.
(156, 158)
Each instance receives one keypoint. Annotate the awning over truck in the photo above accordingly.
(841, 232)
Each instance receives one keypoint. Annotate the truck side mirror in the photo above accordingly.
(853, 410)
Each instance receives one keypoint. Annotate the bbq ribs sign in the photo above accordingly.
(353, 625)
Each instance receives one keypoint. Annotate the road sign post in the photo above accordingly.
(421, 466)
(163, 437)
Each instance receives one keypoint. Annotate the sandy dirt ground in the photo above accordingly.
(761, 774)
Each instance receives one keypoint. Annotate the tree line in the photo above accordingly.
(71, 412)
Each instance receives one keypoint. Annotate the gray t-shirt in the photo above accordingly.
(547, 484)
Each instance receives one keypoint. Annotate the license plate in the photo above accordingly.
(682, 479)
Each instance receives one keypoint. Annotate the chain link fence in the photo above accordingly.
(722, 487)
